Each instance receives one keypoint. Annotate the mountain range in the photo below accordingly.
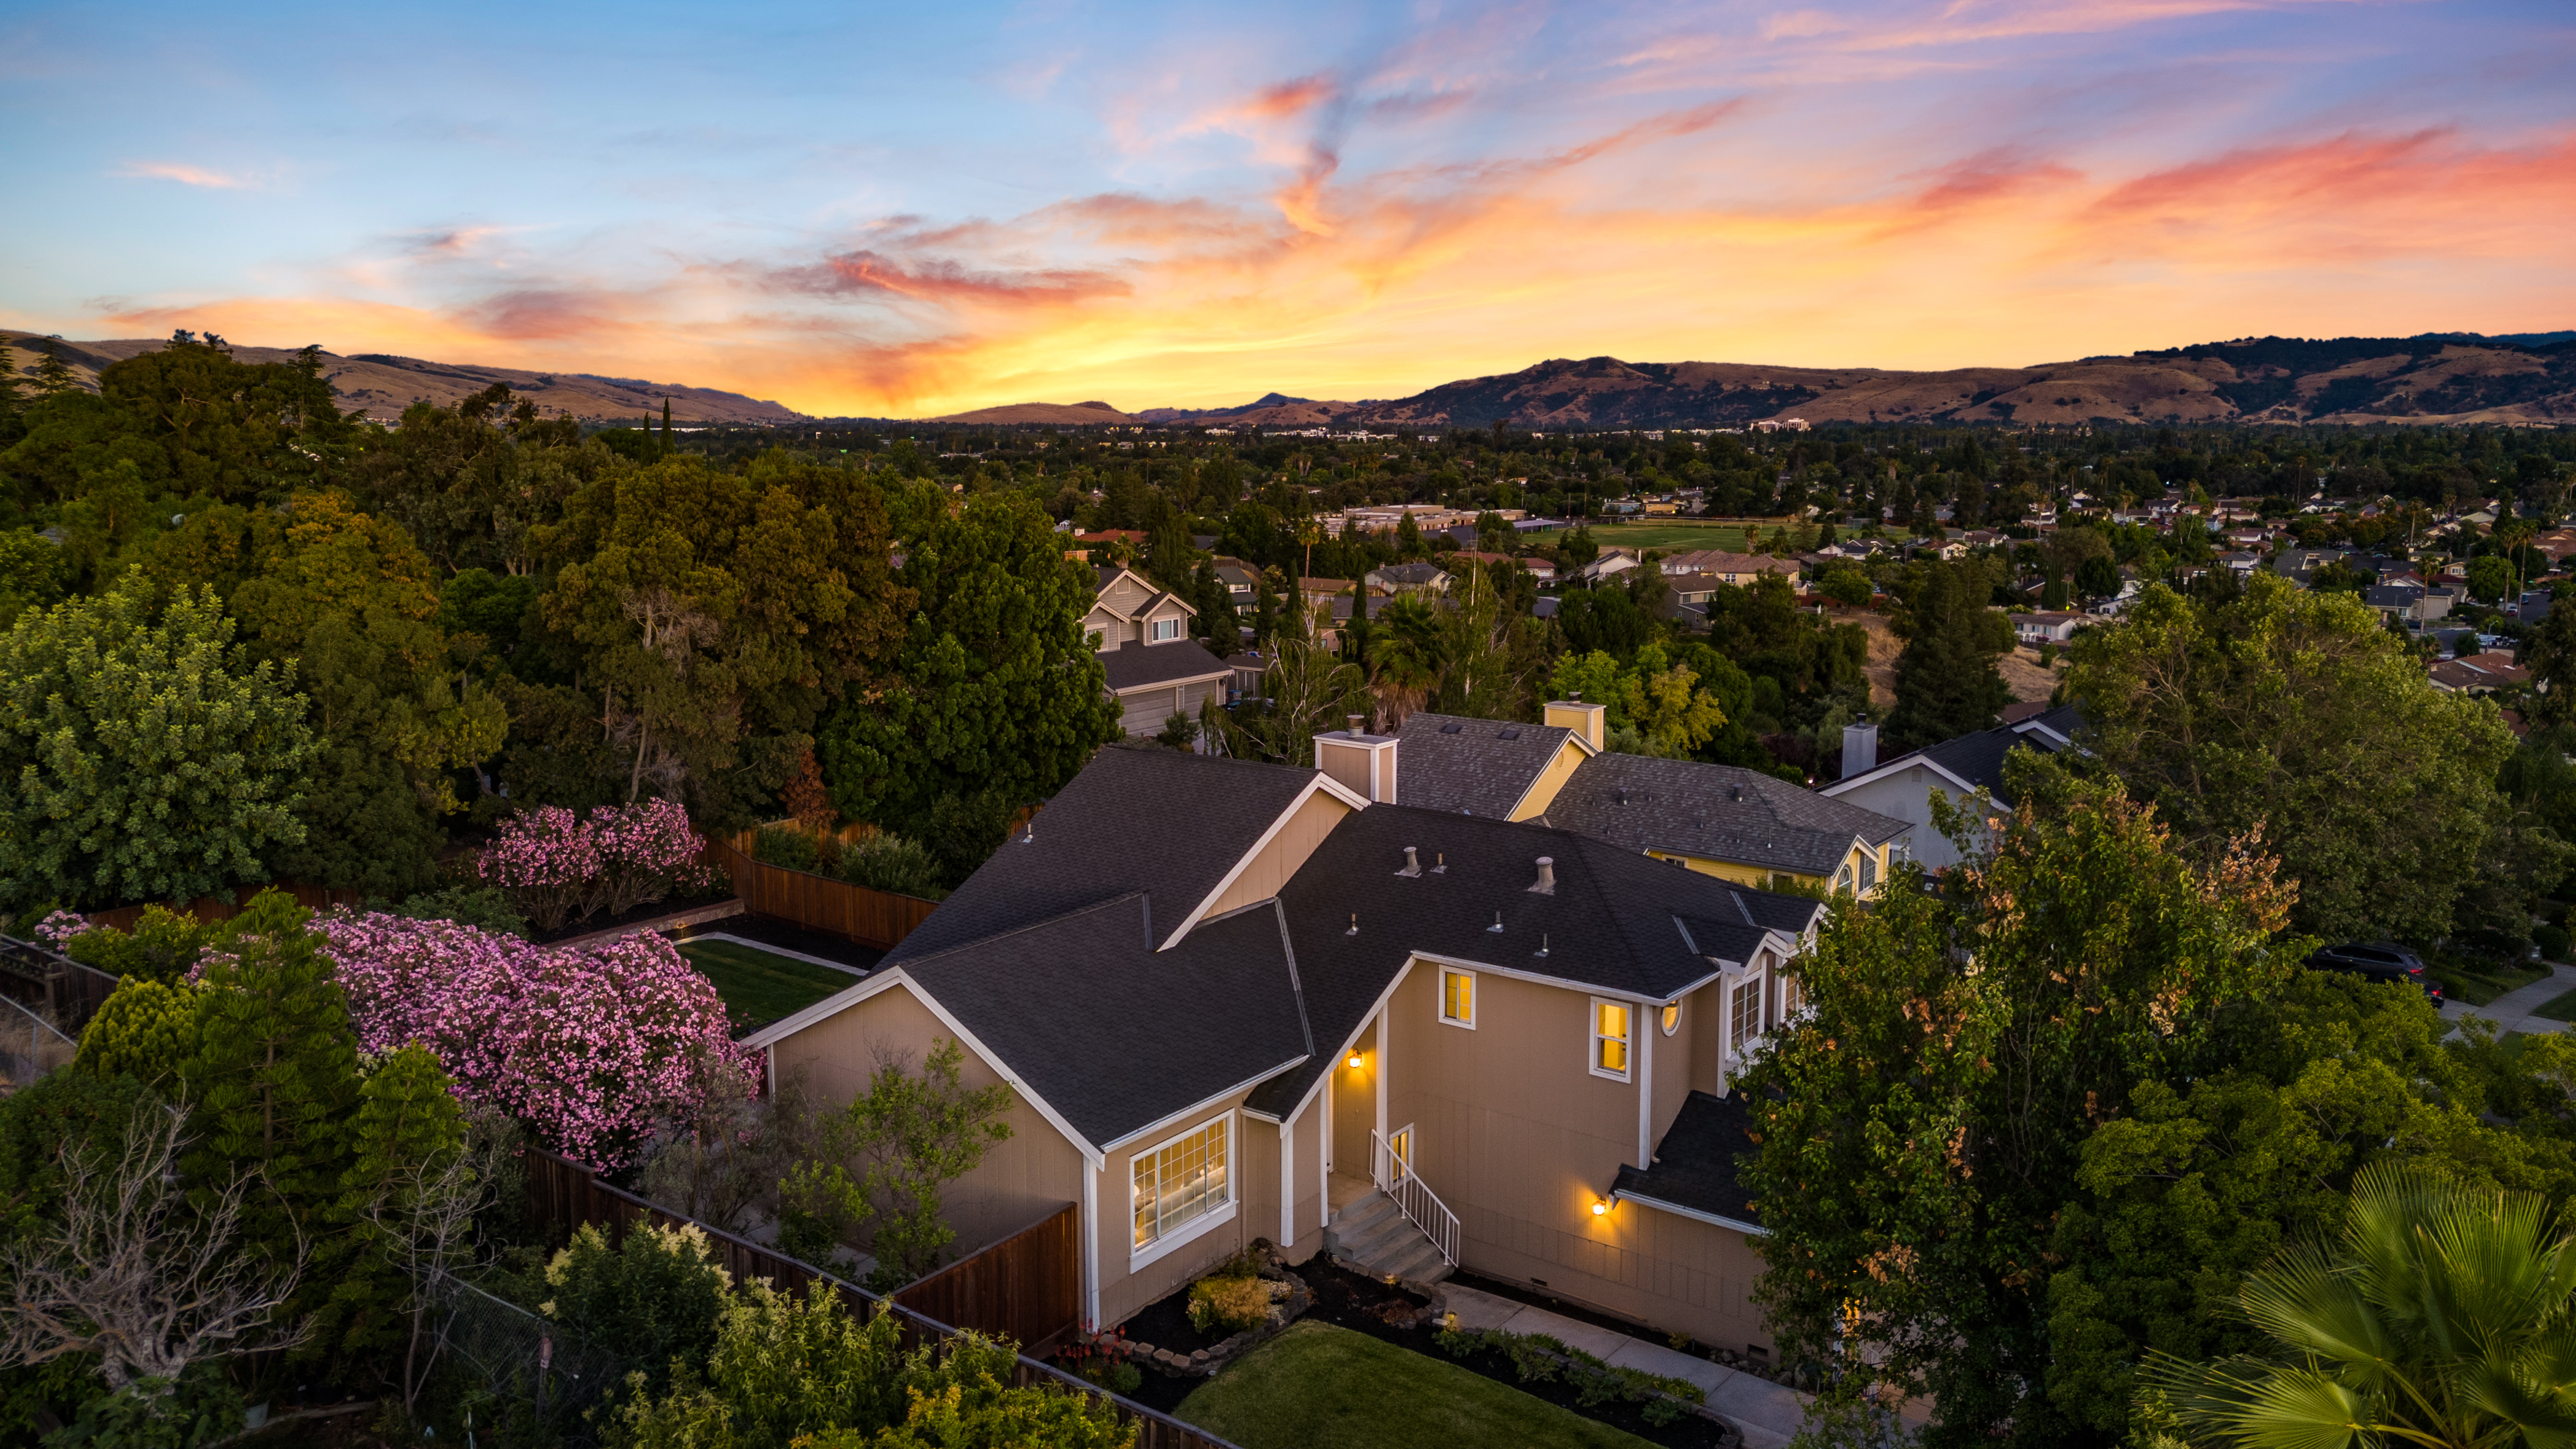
(384, 385)
(2434, 378)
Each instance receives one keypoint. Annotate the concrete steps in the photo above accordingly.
(1374, 1236)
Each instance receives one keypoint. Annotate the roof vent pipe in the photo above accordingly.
(1356, 720)
(1412, 863)
(1546, 876)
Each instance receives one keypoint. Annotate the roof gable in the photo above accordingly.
(1474, 766)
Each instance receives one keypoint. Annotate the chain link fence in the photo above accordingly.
(533, 1369)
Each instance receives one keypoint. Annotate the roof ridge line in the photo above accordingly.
(1098, 905)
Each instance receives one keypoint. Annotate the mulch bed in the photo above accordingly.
(650, 910)
(1735, 1359)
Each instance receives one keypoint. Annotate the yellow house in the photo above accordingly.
(1737, 824)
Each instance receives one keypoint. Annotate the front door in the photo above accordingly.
(1400, 1147)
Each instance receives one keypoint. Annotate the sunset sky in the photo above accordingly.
(905, 210)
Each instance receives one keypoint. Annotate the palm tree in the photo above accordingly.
(2442, 1318)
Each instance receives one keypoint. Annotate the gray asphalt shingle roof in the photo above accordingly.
(1142, 666)
(1479, 766)
(1696, 1165)
(1616, 921)
(1979, 758)
(1716, 812)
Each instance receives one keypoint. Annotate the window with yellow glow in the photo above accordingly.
(1610, 1038)
(1672, 1019)
(1458, 998)
(1180, 1182)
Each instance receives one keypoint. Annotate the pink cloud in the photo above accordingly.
(187, 175)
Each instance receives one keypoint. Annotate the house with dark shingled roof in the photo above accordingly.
(1155, 668)
(1237, 1000)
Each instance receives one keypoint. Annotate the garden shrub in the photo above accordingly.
(656, 1299)
(784, 845)
(489, 907)
(1538, 1357)
(2553, 941)
(199, 1408)
(163, 946)
(884, 862)
(144, 1030)
(1230, 1305)
(560, 867)
(587, 1047)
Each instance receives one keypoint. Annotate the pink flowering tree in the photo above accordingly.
(588, 1047)
(559, 867)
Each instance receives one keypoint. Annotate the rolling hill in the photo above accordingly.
(2434, 379)
(384, 385)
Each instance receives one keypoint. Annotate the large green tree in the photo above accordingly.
(996, 691)
(1947, 683)
(1920, 1124)
(2301, 716)
(141, 755)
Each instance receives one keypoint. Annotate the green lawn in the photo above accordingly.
(1666, 534)
(2559, 1008)
(760, 986)
(1320, 1387)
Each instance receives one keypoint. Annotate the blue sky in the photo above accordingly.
(906, 210)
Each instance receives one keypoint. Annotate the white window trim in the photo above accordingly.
(1138, 1257)
(1475, 997)
(1155, 634)
(1592, 1037)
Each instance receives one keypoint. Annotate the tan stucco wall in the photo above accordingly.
(1034, 1173)
(1520, 1139)
(1542, 791)
(1256, 1187)
(1271, 867)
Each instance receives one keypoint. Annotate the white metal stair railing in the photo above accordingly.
(1414, 1198)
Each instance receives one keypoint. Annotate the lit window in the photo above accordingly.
(1610, 1038)
(1458, 997)
(1166, 629)
(1181, 1181)
(1672, 1017)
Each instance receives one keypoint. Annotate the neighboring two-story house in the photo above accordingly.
(1956, 768)
(1238, 1000)
(1743, 825)
(1155, 668)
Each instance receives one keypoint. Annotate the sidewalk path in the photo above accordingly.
(1767, 1413)
(2513, 1010)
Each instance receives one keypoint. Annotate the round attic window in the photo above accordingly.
(1672, 1017)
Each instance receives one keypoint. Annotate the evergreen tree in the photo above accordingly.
(409, 1129)
(53, 375)
(1947, 683)
(666, 425)
(275, 1082)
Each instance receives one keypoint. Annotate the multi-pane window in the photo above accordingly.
(1746, 1012)
(1166, 629)
(1181, 1181)
(1610, 1038)
(1458, 997)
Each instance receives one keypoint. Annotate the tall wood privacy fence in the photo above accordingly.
(879, 919)
(1026, 1287)
(209, 908)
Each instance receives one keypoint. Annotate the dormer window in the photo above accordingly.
(1162, 630)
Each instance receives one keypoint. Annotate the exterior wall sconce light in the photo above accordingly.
(1601, 1208)
(1357, 1061)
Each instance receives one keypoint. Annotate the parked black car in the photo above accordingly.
(2380, 961)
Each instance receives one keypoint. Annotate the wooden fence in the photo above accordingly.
(1027, 1287)
(210, 908)
(879, 919)
(563, 1195)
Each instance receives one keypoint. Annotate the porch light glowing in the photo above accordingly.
(1601, 1208)
(1356, 1061)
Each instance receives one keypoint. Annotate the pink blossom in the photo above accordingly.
(60, 927)
(558, 866)
(588, 1047)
